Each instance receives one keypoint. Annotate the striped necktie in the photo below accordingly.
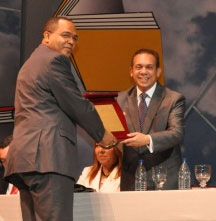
(142, 109)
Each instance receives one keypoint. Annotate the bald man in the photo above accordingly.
(42, 159)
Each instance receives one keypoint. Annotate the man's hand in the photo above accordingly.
(108, 140)
(136, 139)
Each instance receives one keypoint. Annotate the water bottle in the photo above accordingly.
(140, 177)
(184, 176)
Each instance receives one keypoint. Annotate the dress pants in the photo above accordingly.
(46, 197)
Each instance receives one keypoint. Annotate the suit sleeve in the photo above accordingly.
(3, 183)
(173, 134)
(80, 110)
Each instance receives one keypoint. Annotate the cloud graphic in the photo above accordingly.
(9, 65)
(13, 4)
(9, 55)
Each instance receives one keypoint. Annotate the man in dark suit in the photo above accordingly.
(5, 187)
(42, 159)
(158, 137)
(3, 183)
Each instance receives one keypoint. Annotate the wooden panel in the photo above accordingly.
(103, 56)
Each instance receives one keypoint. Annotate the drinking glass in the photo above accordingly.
(159, 176)
(203, 174)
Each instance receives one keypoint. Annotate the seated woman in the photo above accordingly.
(104, 174)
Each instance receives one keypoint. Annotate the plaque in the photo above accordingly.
(109, 112)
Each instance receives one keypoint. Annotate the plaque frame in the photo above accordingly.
(103, 98)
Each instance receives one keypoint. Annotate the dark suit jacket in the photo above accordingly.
(164, 122)
(48, 106)
(3, 184)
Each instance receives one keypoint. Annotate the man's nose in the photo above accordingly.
(143, 70)
(71, 41)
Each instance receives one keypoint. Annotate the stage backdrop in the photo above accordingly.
(188, 51)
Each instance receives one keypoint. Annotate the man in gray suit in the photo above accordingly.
(158, 136)
(42, 159)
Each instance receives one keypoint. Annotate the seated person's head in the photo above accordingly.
(4, 147)
(107, 159)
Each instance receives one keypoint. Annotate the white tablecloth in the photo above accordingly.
(173, 205)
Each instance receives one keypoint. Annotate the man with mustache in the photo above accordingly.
(154, 116)
(42, 159)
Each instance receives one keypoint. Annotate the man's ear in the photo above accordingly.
(131, 72)
(46, 36)
(158, 72)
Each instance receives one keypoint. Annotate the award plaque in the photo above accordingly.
(109, 112)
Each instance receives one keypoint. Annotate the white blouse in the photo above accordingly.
(110, 184)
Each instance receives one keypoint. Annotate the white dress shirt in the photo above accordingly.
(9, 189)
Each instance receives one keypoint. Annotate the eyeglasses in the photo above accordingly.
(67, 36)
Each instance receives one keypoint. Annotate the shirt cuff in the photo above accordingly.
(150, 146)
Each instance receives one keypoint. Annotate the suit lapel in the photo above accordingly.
(133, 118)
(133, 110)
(153, 107)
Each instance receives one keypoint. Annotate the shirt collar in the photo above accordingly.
(149, 92)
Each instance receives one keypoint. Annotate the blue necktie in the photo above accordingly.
(142, 109)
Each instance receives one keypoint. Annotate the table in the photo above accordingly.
(170, 205)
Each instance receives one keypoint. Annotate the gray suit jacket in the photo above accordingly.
(48, 106)
(164, 122)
